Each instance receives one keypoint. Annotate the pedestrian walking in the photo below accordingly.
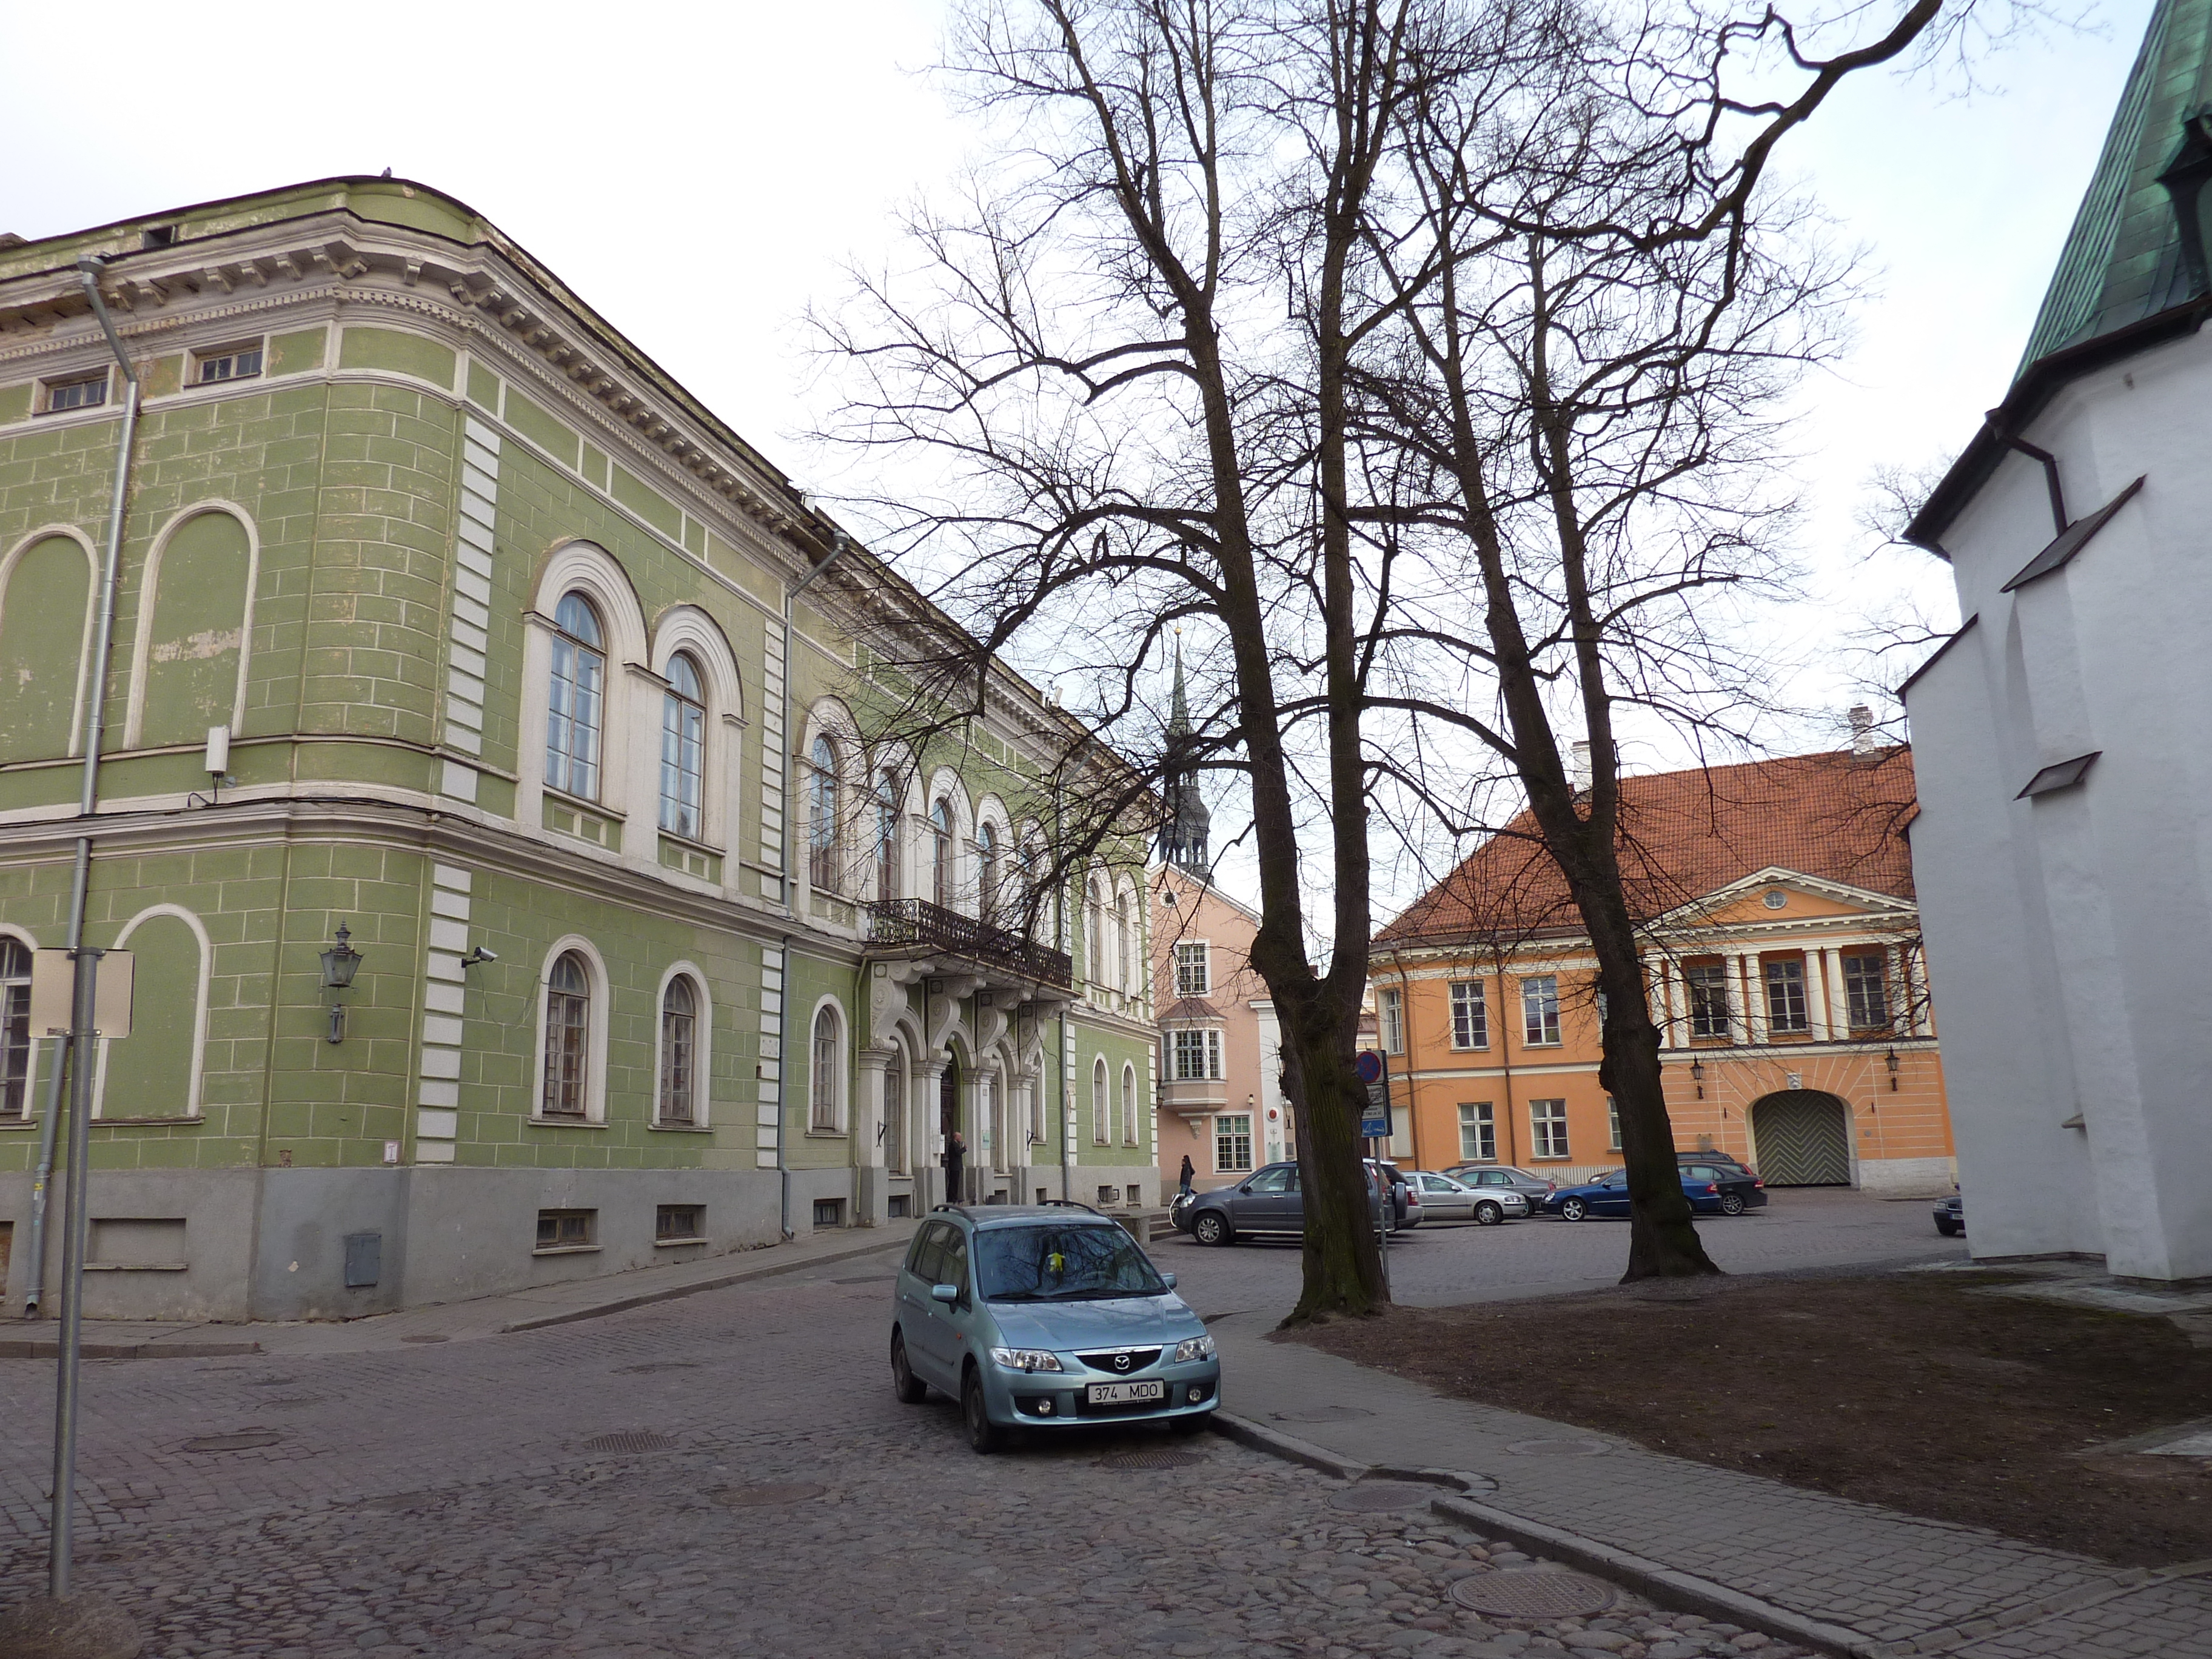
(1188, 1172)
(956, 1161)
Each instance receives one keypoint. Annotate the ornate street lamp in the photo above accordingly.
(340, 964)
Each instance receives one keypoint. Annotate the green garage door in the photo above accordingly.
(1803, 1138)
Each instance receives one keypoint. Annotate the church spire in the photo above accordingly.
(1185, 825)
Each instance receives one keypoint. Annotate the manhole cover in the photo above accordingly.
(1532, 1593)
(767, 1491)
(1559, 1448)
(1160, 1459)
(247, 1442)
(1379, 1496)
(1321, 1414)
(437, 1337)
(634, 1440)
(652, 1365)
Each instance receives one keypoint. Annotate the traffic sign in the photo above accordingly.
(1375, 1072)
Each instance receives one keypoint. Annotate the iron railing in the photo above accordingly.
(917, 921)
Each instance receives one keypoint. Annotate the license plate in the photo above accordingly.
(1124, 1394)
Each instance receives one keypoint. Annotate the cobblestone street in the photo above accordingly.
(764, 1494)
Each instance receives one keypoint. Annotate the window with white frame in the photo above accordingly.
(1866, 992)
(1612, 1124)
(887, 825)
(1390, 1013)
(1708, 985)
(1785, 995)
(1098, 1102)
(824, 1115)
(1124, 933)
(1470, 1014)
(1547, 1127)
(684, 750)
(1129, 1105)
(231, 362)
(577, 702)
(822, 871)
(679, 1053)
(79, 391)
(1197, 1055)
(1539, 1011)
(15, 1029)
(1232, 1143)
(1478, 1132)
(940, 854)
(1094, 935)
(568, 1037)
(1193, 969)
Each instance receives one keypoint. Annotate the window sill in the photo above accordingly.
(19, 1123)
(581, 804)
(565, 1123)
(134, 1122)
(137, 1266)
(566, 1250)
(675, 1244)
(1473, 1048)
(679, 1130)
(828, 1134)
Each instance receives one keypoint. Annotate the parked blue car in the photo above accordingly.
(1043, 1317)
(1711, 1188)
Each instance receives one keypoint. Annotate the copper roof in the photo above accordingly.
(1836, 816)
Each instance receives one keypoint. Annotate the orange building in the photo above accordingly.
(1783, 962)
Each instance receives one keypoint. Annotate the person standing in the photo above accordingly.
(1188, 1173)
(955, 1164)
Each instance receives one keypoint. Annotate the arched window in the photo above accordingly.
(887, 817)
(684, 750)
(1099, 1105)
(1129, 1105)
(986, 873)
(895, 1142)
(568, 1036)
(1123, 933)
(821, 826)
(679, 1052)
(578, 700)
(15, 1027)
(821, 1083)
(44, 595)
(194, 637)
(940, 857)
(1094, 932)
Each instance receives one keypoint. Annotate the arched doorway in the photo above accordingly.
(1802, 1138)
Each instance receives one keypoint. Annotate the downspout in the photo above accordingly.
(96, 726)
(839, 543)
(1505, 1061)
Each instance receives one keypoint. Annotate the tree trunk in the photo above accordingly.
(1343, 1267)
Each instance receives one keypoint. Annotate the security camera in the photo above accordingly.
(479, 954)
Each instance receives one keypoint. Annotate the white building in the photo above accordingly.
(2063, 852)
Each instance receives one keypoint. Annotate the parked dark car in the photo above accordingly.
(1265, 1204)
(1534, 1188)
(1726, 1160)
(1951, 1216)
(1711, 1188)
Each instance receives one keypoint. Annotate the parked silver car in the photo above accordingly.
(1444, 1199)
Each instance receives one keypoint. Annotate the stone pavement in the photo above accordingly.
(1844, 1575)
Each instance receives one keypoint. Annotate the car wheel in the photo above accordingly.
(1572, 1209)
(985, 1436)
(910, 1388)
(1487, 1214)
(1212, 1227)
(1731, 1203)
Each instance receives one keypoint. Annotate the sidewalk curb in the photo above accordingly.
(48, 1348)
(1682, 1592)
(720, 1281)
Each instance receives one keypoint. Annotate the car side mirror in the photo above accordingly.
(1167, 1279)
(945, 1293)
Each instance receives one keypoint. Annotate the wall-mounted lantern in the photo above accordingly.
(340, 964)
(1890, 1060)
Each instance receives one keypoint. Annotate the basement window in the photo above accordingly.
(561, 1230)
(829, 1212)
(85, 392)
(230, 362)
(679, 1223)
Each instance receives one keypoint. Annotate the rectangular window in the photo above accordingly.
(1190, 1058)
(1547, 1124)
(231, 362)
(1194, 971)
(683, 766)
(1232, 1143)
(1539, 1011)
(14, 1028)
(678, 1224)
(1478, 1132)
(829, 1212)
(86, 391)
(1785, 995)
(1470, 1012)
(1391, 1008)
(1612, 1124)
(1866, 992)
(1709, 999)
(567, 1229)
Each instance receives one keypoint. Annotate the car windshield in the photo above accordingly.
(1058, 1263)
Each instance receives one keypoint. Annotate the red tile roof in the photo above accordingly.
(1838, 816)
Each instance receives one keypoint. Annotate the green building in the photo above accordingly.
(444, 616)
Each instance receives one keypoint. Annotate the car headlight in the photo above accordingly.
(1027, 1359)
(1194, 1347)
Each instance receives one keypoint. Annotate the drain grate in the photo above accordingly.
(767, 1491)
(1534, 1592)
(247, 1441)
(652, 1365)
(1381, 1497)
(1321, 1414)
(1161, 1459)
(631, 1440)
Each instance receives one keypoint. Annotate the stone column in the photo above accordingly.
(870, 1179)
(1839, 1011)
(1754, 997)
(1816, 998)
(928, 1141)
(1675, 999)
(1896, 987)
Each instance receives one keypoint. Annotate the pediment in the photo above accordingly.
(1743, 902)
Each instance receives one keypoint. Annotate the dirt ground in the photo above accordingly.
(1918, 1391)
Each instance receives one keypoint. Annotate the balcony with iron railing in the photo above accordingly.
(932, 926)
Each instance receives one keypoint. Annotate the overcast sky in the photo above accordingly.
(698, 173)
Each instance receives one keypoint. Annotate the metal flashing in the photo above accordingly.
(2071, 540)
(1936, 656)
